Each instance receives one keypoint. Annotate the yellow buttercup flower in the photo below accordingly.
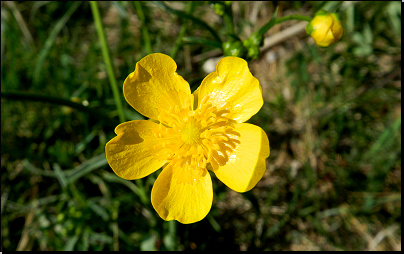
(187, 134)
(325, 28)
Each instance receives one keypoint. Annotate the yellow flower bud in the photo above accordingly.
(325, 28)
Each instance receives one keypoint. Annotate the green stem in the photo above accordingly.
(142, 192)
(107, 60)
(228, 18)
(55, 100)
(172, 232)
(145, 32)
(197, 40)
(272, 22)
(295, 16)
(188, 16)
(178, 42)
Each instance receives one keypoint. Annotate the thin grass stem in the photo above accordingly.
(51, 39)
(188, 16)
(145, 32)
(178, 42)
(107, 59)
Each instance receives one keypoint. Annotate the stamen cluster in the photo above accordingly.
(197, 137)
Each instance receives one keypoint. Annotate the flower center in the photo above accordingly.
(190, 133)
(196, 137)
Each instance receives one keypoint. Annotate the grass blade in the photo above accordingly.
(196, 40)
(197, 21)
(88, 166)
(107, 59)
(56, 100)
(191, 7)
(138, 191)
(71, 243)
(387, 136)
(51, 39)
(145, 32)
(60, 175)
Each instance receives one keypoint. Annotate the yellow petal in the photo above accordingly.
(182, 193)
(336, 27)
(155, 85)
(322, 30)
(246, 167)
(131, 154)
(328, 39)
(232, 86)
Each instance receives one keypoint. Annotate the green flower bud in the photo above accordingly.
(236, 48)
(247, 43)
(226, 45)
(253, 52)
(257, 39)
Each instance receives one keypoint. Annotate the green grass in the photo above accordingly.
(332, 116)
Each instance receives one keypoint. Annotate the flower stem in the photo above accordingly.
(107, 60)
(145, 32)
(172, 233)
(295, 16)
(271, 23)
(178, 42)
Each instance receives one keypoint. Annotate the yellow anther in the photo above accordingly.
(196, 137)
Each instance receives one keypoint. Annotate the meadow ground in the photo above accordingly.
(332, 116)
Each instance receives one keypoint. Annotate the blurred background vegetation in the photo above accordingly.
(332, 115)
